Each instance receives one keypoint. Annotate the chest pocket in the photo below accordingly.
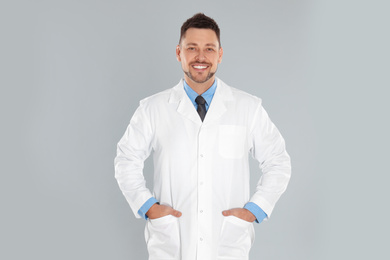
(232, 141)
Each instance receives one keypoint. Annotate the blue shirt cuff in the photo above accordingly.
(256, 210)
(147, 205)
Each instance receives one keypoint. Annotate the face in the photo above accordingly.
(199, 53)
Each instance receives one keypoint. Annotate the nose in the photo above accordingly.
(201, 57)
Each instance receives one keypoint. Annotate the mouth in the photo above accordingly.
(200, 66)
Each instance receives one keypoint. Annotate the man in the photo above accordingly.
(201, 133)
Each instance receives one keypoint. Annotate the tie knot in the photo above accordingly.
(200, 100)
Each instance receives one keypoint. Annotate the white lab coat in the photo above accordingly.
(201, 169)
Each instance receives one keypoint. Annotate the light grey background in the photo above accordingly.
(72, 73)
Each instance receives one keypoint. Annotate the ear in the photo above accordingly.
(220, 55)
(178, 53)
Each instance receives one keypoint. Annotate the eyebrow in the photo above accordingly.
(208, 44)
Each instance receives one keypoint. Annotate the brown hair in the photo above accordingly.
(200, 21)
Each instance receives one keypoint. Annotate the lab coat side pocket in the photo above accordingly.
(163, 238)
(236, 239)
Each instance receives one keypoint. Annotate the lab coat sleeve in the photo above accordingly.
(132, 150)
(268, 148)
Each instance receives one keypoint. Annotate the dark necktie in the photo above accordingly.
(201, 106)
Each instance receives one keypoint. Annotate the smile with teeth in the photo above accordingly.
(200, 67)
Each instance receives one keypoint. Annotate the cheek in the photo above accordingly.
(214, 59)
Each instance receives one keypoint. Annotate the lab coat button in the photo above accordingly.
(201, 239)
(201, 155)
(201, 211)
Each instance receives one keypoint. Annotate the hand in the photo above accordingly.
(241, 213)
(158, 211)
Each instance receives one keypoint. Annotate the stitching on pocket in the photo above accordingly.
(236, 238)
(163, 238)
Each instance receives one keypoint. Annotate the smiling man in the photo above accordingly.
(199, 52)
(201, 133)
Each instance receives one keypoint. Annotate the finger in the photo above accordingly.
(227, 213)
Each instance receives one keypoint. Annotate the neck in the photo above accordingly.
(199, 88)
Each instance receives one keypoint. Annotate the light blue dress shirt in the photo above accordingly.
(208, 96)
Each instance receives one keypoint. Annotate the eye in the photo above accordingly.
(191, 48)
(210, 49)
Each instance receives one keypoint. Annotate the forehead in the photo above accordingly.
(200, 37)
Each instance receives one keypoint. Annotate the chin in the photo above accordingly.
(200, 80)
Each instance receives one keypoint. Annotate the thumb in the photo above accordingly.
(226, 213)
(176, 213)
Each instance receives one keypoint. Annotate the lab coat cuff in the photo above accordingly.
(256, 210)
(147, 205)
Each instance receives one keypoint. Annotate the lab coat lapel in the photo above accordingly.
(184, 105)
(217, 107)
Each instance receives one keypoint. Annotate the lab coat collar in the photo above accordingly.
(217, 107)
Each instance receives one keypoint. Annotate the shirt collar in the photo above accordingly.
(208, 95)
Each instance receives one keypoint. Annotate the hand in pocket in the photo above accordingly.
(241, 213)
(159, 211)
